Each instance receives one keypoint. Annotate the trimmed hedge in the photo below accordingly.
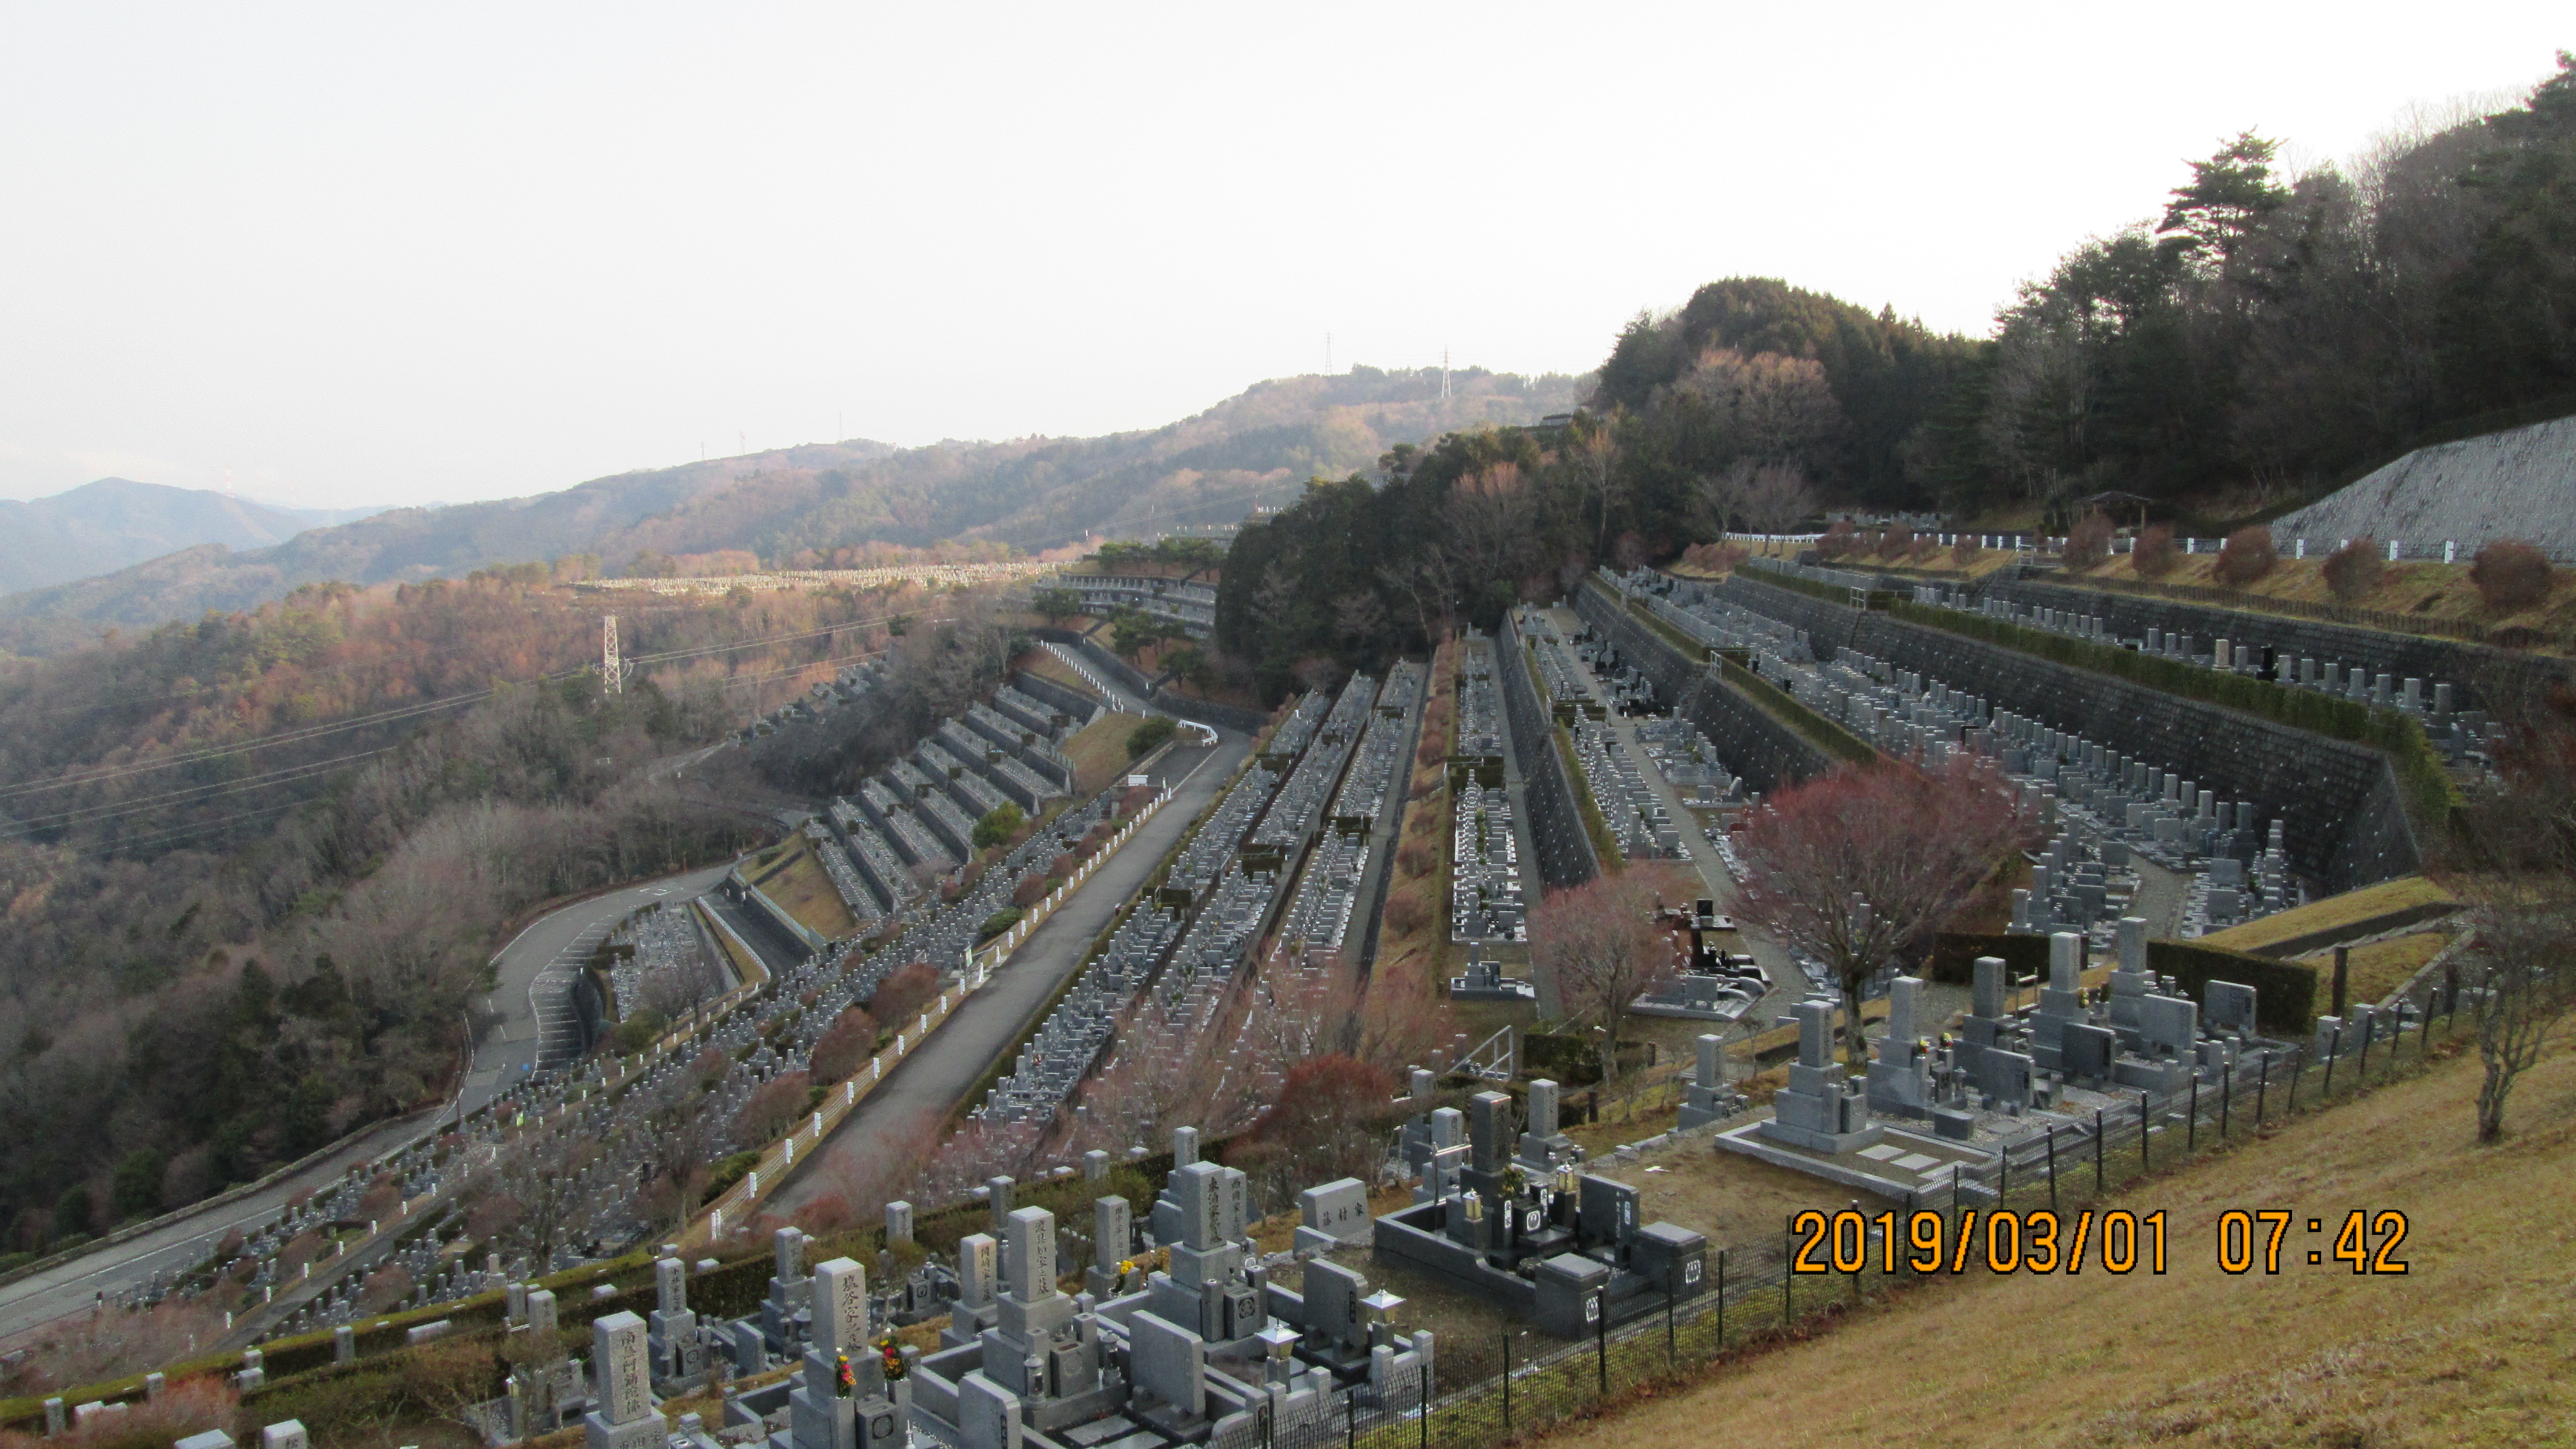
(1827, 735)
(2285, 992)
(1955, 953)
(2420, 776)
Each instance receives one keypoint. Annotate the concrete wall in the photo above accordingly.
(1114, 669)
(1565, 856)
(1752, 744)
(1046, 691)
(2346, 826)
(2518, 483)
(1225, 716)
(2399, 656)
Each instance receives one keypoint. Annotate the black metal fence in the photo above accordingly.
(2024, 1212)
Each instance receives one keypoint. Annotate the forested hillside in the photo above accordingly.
(830, 505)
(254, 865)
(2259, 338)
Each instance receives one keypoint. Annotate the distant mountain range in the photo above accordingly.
(796, 506)
(115, 522)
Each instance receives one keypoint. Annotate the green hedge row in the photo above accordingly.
(2420, 775)
(2285, 992)
(1955, 953)
(1828, 736)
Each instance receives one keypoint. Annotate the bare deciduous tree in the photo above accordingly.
(1491, 517)
(1600, 944)
(1854, 866)
(2514, 857)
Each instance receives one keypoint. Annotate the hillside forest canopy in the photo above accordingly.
(254, 866)
(2261, 337)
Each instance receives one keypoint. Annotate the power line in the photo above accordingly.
(109, 809)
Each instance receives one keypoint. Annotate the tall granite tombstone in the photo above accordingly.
(1110, 1232)
(679, 1353)
(1819, 1110)
(1705, 1098)
(979, 1269)
(624, 1416)
(2061, 1001)
(1900, 1070)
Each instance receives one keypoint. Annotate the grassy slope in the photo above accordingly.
(2434, 590)
(802, 889)
(2351, 907)
(1099, 752)
(2470, 1347)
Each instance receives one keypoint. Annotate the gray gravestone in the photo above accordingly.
(840, 1308)
(1170, 1363)
(2230, 1007)
(1338, 1209)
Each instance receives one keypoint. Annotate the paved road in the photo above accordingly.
(68, 1287)
(870, 1146)
(535, 1028)
(536, 971)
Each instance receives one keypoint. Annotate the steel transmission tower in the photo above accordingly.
(612, 670)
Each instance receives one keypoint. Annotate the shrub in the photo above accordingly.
(998, 922)
(2246, 556)
(2154, 556)
(1925, 545)
(1965, 551)
(639, 1030)
(384, 1288)
(1839, 540)
(1144, 738)
(2355, 569)
(848, 1041)
(2510, 575)
(999, 826)
(2088, 543)
(1405, 914)
(779, 1102)
(902, 995)
(1031, 889)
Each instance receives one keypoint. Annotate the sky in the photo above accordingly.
(342, 255)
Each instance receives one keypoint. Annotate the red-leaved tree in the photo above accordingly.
(1854, 866)
(1600, 942)
(1330, 1121)
(844, 1045)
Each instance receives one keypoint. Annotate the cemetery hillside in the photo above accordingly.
(1825, 880)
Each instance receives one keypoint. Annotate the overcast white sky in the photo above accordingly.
(381, 253)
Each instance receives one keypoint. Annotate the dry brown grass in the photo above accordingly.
(2379, 968)
(2471, 1346)
(803, 890)
(1099, 752)
(1045, 665)
(2350, 908)
(1404, 1008)
(2432, 590)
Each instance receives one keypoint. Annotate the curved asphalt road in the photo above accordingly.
(871, 1145)
(535, 1028)
(534, 996)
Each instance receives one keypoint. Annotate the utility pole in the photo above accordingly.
(1444, 374)
(612, 671)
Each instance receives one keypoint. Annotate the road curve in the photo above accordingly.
(532, 1002)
